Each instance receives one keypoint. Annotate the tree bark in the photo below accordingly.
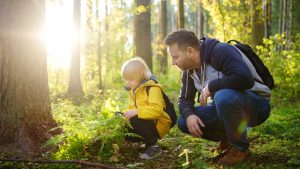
(267, 17)
(25, 117)
(106, 38)
(285, 20)
(142, 31)
(200, 19)
(280, 17)
(284, 17)
(180, 14)
(289, 22)
(163, 33)
(172, 15)
(256, 22)
(75, 87)
(99, 46)
(295, 23)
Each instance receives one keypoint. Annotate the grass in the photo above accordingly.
(277, 147)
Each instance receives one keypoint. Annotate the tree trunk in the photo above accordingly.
(284, 16)
(180, 14)
(285, 20)
(106, 39)
(25, 117)
(220, 6)
(256, 22)
(162, 53)
(200, 19)
(171, 15)
(142, 29)
(289, 22)
(75, 88)
(280, 17)
(267, 15)
(99, 46)
(295, 23)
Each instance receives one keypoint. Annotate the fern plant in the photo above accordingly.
(89, 130)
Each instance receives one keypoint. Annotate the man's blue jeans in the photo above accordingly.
(229, 115)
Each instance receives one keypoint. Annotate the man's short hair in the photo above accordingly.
(183, 38)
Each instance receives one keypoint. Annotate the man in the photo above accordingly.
(218, 71)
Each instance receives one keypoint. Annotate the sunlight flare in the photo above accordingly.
(59, 34)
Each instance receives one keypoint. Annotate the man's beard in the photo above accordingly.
(181, 69)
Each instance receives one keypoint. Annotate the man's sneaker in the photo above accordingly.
(151, 152)
(234, 156)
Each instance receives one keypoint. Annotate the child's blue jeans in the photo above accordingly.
(229, 115)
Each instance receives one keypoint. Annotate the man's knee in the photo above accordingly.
(226, 97)
(182, 125)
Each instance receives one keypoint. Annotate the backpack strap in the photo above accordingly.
(244, 49)
(147, 90)
(236, 41)
(169, 109)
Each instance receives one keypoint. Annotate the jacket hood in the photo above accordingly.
(206, 48)
(151, 82)
(152, 77)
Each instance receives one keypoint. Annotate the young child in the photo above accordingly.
(146, 109)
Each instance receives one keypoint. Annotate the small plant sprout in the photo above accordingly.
(186, 152)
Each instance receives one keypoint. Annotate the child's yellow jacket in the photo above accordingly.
(150, 106)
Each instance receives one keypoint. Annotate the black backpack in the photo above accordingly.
(260, 67)
(169, 107)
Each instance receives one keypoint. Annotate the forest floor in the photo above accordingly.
(278, 146)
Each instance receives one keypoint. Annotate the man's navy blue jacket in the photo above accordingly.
(224, 58)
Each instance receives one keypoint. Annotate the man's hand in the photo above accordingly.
(193, 123)
(204, 95)
(130, 113)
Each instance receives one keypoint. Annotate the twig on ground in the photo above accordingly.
(84, 163)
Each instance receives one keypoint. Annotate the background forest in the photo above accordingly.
(59, 88)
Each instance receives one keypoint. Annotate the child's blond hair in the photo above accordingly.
(135, 69)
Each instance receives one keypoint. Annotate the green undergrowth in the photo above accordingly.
(93, 133)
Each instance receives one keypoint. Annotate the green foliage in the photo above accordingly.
(283, 60)
(90, 129)
(92, 132)
(57, 82)
(229, 19)
(109, 44)
(283, 123)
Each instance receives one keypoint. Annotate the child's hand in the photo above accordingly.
(130, 113)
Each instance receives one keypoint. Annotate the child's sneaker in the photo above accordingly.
(142, 146)
(151, 152)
